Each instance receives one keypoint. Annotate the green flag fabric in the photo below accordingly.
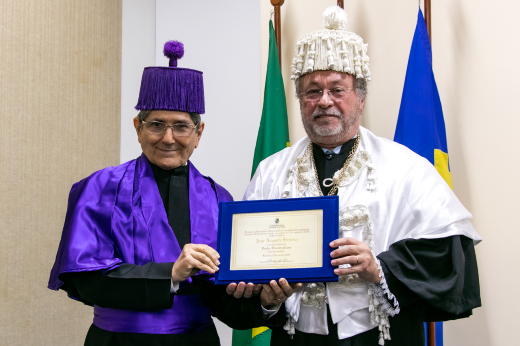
(273, 134)
(252, 337)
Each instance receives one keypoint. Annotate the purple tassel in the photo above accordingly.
(172, 88)
(173, 50)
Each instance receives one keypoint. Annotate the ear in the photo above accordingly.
(199, 133)
(138, 129)
(362, 104)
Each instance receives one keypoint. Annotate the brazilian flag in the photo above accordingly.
(420, 125)
(273, 136)
(252, 337)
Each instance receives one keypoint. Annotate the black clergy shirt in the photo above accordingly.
(328, 164)
(174, 190)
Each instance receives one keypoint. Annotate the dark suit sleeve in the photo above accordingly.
(128, 287)
(437, 279)
(243, 313)
(147, 288)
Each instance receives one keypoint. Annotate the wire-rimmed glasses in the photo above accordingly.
(178, 129)
(335, 94)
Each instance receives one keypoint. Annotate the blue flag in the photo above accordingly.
(420, 125)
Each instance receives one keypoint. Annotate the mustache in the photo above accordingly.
(326, 112)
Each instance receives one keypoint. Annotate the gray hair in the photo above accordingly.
(360, 86)
(143, 114)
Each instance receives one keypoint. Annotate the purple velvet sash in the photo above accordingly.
(117, 216)
(189, 314)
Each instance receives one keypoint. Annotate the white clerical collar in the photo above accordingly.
(336, 150)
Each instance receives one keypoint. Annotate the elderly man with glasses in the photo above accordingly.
(406, 249)
(139, 239)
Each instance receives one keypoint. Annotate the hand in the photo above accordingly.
(276, 293)
(243, 290)
(358, 255)
(194, 258)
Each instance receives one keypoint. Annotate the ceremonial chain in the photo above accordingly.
(341, 172)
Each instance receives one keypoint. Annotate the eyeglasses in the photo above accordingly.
(159, 128)
(335, 94)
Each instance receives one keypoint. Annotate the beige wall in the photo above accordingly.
(475, 52)
(60, 65)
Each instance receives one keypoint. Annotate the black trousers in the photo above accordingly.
(100, 337)
(405, 330)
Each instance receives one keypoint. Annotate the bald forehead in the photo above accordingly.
(327, 78)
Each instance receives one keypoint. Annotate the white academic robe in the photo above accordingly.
(389, 188)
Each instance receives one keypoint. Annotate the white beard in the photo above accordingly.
(333, 132)
(326, 129)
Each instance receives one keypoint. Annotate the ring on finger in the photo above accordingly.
(357, 260)
(280, 299)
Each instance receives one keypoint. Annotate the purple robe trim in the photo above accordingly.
(109, 221)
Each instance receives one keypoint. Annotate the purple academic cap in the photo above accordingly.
(172, 88)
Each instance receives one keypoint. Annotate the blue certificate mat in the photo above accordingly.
(260, 241)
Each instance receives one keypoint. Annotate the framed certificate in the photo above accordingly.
(260, 241)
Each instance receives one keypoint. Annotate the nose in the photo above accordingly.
(168, 136)
(325, 100)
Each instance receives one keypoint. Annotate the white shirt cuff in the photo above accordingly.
(270, 313)
(174, 287)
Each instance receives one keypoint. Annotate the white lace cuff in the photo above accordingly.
(289, 326)
(383, 294)
(382, 304)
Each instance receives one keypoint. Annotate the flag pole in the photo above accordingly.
(278, 27)
(428, 20)
(428, 17)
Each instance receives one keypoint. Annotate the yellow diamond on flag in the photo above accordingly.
(259, 330)
(441, 164)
